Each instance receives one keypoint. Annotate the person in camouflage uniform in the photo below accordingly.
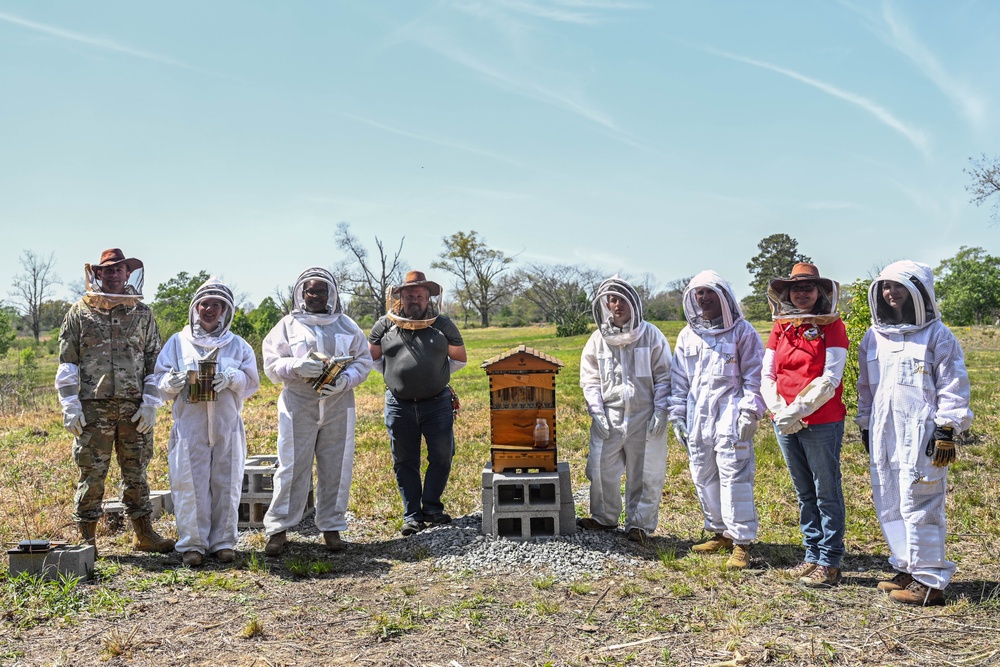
(107, 351)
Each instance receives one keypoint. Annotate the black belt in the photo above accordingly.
(440, 394)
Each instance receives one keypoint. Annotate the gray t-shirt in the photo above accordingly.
(416, 360)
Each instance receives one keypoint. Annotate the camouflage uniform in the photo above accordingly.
(115, 350)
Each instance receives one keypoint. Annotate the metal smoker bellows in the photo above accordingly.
(199, 382)
(332, 368)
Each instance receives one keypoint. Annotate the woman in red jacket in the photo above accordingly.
(803, 367)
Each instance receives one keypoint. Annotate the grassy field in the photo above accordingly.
(382, 604)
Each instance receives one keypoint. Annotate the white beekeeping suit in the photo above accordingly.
(716, 401)
(207, 449)
(625, 375)
(912, 378)
(312, 426)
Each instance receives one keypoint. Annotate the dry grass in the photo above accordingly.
(373, 606)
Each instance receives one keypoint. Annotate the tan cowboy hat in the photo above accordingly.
(113, 256)
(418, 279)
(801, 272)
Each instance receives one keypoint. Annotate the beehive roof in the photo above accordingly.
(522, 349)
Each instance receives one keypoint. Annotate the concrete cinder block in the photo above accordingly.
(525, 505)
(526, 525)
(253, 507)
(258, 474)
(162, 503)
(76, 561)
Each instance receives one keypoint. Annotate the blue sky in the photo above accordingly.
(642, 137)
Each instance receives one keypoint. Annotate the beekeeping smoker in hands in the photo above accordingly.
(715, 407)
(315, 418)
(625, 375)
(107, 350)
(207, 441)
(417, 349)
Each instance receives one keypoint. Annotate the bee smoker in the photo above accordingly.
(332, 368)
(199, 382)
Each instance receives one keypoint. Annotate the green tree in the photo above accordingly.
(857, 320)
(478, 269)
(173, 298)
(968, 287)
(561, 293)
(7, 331)
(778, 253)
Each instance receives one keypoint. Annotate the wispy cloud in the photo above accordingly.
(517, 69)
(581, 12)
(574, 102)
(893, 29)
(969, 103)
(914, 135)
(96, 42)
(440, 141)
(829, 205)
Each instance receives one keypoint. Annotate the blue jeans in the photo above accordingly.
(407, 421)
(813, 459)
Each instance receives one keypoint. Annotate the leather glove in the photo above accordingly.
(146, 416)
(680, 432)
(865, 441)
(334, 388)
(746, 426)
(307, 369)
(657, 425)
(787, 422)
(223, 379)
(600, 426)
(942, 447)
(73, 420)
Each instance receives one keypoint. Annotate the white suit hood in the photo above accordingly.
(731, 312)
(919, 282)
(632, 330)
(213, 288)
(333, 306)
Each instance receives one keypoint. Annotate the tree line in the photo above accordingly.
(489, 286)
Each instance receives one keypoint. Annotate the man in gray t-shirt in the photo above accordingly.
(417, 350)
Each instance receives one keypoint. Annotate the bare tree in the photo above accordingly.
(366, 280)
(477, 268)
(283, 298)
(561, 292)
(34, 286)
(985, 174)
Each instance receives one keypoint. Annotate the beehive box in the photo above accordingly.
(522, 390)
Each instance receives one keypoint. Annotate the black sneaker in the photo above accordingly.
(438, 519)
(412, 528)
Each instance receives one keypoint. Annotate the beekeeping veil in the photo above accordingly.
(631, 330)
(731, 312)
(919, 311)
(95, 294)
(394, 306)
(779, 297)
(213, 288)
(333, 307)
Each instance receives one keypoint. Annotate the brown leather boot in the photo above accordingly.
(88, 533)
(147, 539)
(717, 542)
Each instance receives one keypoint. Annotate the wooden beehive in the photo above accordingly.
(522, 390)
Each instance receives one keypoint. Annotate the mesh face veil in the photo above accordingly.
(395, 312)
(921, 308)
(730, 307)
(604, 317)
(213, 288)
(97, 297)
(333, 306)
